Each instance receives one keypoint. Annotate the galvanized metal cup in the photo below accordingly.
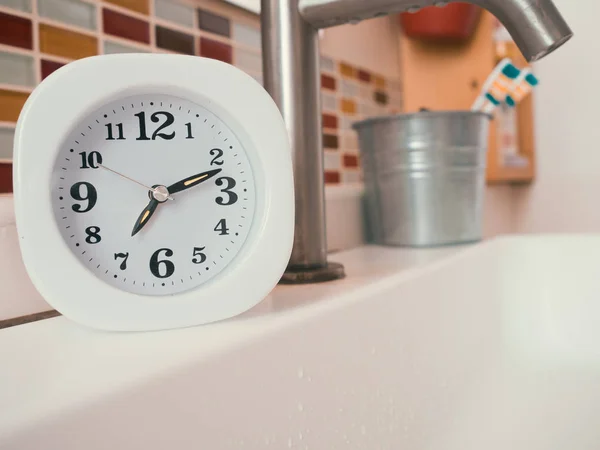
(424, 177)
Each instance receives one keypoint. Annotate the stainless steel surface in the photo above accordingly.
(536, 25)
(425, 177)
(292, 77)
(291, 74)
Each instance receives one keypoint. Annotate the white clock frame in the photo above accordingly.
(73, 92)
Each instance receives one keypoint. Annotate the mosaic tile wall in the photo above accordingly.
(39, 36)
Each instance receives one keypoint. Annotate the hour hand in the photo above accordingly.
(192, 181)
(144, 217)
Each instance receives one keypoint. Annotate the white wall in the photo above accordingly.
(565, 197)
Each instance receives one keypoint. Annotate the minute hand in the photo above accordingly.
(192, 181)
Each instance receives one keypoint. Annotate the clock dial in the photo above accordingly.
(154, 194)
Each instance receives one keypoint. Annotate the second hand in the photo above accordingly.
(130, 179)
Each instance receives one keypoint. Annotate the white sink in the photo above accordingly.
(495, 347)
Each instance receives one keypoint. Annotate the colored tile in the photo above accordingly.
(348, 88)
(73, 12)
(363, 75)
(330, 121)
(5, 178)
(247, 35)
(10, 105)
(214, 23)
(15, 31)
(174, 41)
(49, 66)
(330, 141)
(381, 97)
(111, 47)
(216, 50)
(174, 12)
(328, 82)
(327, 64)
(16, 69)
(140, 6)
(350, 141)
(20, 5)
(126, 27)
(365, 91)
(248, 60)
(379, 81)
(346, 122)
(332, 160)
(347, 70)
(351, 176)
(350, 160)
(332, 177)
(65, 43)
(7, 136)
(395, 85)
(348, 106)
(328, 102)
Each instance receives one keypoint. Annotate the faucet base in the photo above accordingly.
(332, 271)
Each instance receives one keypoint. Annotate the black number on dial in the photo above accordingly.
(109, 132)
(216, 161)
(232, 197)
(93, 236)
(162, 268)
(198, 252)
(123, 265)
(90, 160)
(155, 118)
(189, 131)
(221, 228)
(88, 195)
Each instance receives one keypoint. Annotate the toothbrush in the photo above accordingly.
(524, 84)
(497, 86)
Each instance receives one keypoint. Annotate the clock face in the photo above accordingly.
(154, 194)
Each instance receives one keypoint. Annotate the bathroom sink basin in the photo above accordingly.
(494, 346)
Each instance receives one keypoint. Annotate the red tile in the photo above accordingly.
(125, 26)
(328, 82)
(216, 50)
(330, 121)
(5, 178)
(350, 161)
(332, 177)
(363, 75)
(15, 31)
(49, 66)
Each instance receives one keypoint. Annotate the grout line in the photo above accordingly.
(37, 60)
(16, 88)
(99, 27)
(67, 26)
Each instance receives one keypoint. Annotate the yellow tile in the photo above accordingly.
(140, 6)
(347, 70)
(348, 106)
(10, 105)
(68, 44)
(379, 81)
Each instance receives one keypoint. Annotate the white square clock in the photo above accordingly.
(152, 191)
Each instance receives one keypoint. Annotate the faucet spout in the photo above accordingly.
(537, 26)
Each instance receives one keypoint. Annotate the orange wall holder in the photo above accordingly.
(455, 22)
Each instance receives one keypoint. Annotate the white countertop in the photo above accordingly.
(54, 366)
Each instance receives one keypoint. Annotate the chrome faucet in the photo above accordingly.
(292, 77)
